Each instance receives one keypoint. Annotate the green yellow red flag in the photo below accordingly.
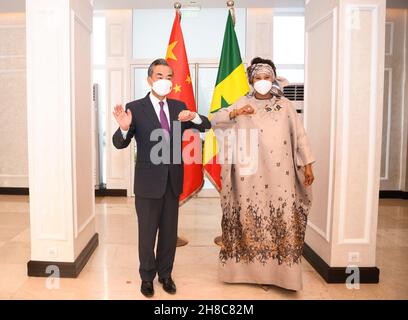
(231, 85)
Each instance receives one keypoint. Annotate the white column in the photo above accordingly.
(343, 116)
(60, 135)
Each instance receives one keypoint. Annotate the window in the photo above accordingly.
(288, 45)
(140, 85)
(99, 40)
(203, 32)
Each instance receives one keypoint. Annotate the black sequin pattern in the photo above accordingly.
(250, 235)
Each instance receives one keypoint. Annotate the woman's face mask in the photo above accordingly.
(263, 86)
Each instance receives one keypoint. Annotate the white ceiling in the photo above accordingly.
(155, 4)
(19, 5)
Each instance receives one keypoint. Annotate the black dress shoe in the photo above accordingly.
(147, 289)
(168, 285)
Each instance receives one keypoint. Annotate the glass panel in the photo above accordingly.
(206, 83)
(203, 32)
(99, 40)
(193, 79)
(292, 75)
(288, 39)
(141, 87)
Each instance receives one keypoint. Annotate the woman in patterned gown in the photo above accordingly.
(266, 198)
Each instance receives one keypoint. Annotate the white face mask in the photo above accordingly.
(162, 87)
(263, 86)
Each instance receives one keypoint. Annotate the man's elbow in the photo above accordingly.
(117, 144)
(206, 123)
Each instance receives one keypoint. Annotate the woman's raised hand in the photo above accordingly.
(246, 110)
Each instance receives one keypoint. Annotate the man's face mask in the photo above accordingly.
(162, 87)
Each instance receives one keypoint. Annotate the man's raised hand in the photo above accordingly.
(124, 119)
(186, 115)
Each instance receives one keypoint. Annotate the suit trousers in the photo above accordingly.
(157, 216)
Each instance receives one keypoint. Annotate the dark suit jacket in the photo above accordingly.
(150, 178)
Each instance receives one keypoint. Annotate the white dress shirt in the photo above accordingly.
(155, 102)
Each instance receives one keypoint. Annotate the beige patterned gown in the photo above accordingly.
(264, 201)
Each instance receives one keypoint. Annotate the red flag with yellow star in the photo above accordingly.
(183, 90)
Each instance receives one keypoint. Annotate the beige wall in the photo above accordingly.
(13, 110)
(405, 88)
(13, 106)
(13, 149)
(395, 120)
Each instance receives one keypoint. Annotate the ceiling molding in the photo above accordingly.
(168, 4)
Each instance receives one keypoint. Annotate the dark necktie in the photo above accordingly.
(163, 119)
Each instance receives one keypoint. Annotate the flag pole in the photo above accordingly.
(181, 241)
(177, 6)
(230, 5)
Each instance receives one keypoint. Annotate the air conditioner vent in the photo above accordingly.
(294, 92)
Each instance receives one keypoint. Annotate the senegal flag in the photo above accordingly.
(231, 85)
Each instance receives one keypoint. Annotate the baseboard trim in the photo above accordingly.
(66, 269)
(338, 274)
(393, 194)
(111, 193)
(98, 192)
(14, 191)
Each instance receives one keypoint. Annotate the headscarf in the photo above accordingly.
(260, 68)
(263, 68)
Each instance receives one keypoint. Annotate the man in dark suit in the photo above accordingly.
(155, 122)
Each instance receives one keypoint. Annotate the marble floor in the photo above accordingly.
(112, 272)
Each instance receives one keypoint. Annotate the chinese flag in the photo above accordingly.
(183, 90)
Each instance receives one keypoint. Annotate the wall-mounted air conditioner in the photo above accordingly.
(295, 93)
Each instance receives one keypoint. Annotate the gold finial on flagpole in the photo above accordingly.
(177, 6)
(230, 5)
